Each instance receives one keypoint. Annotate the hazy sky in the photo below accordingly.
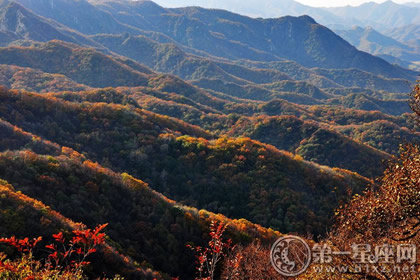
(315, 3)
(330, 3)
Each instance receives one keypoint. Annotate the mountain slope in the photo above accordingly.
(408, 34)
(79, 67)
(334, 77)
(391, 135)
(369, 103)
(78, 15)
(23, 216)
(35, 80)
(373, 42)
(282, 130)
(142, 223)
(90, 67)
(194, 171)
(312, 142)
(357, 78)
(85, 66)
(169, 58)
(18, 23)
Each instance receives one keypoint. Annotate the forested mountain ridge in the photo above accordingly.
(36, 80)
(101, 70)
(271, 130)
(103, 195)
(182, 149)
(150, 148)
(169, 58)
(94, 68)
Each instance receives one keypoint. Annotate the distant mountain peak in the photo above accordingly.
(308, 19)
(389, 2)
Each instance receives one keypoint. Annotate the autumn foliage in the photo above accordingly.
(66, 258)
(209, 258)
(387, 215)
(415, 101)
(200, 148)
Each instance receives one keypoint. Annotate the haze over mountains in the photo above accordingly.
(406, 54)
(308, 44)
(379, 15)
(130, 113)
(392, 19)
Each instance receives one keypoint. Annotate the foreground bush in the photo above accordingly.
(66, 258)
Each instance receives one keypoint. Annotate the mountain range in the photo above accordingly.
(388, 18)
(371, 41)
(250, 43)
(160, 121)
(381, 16)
